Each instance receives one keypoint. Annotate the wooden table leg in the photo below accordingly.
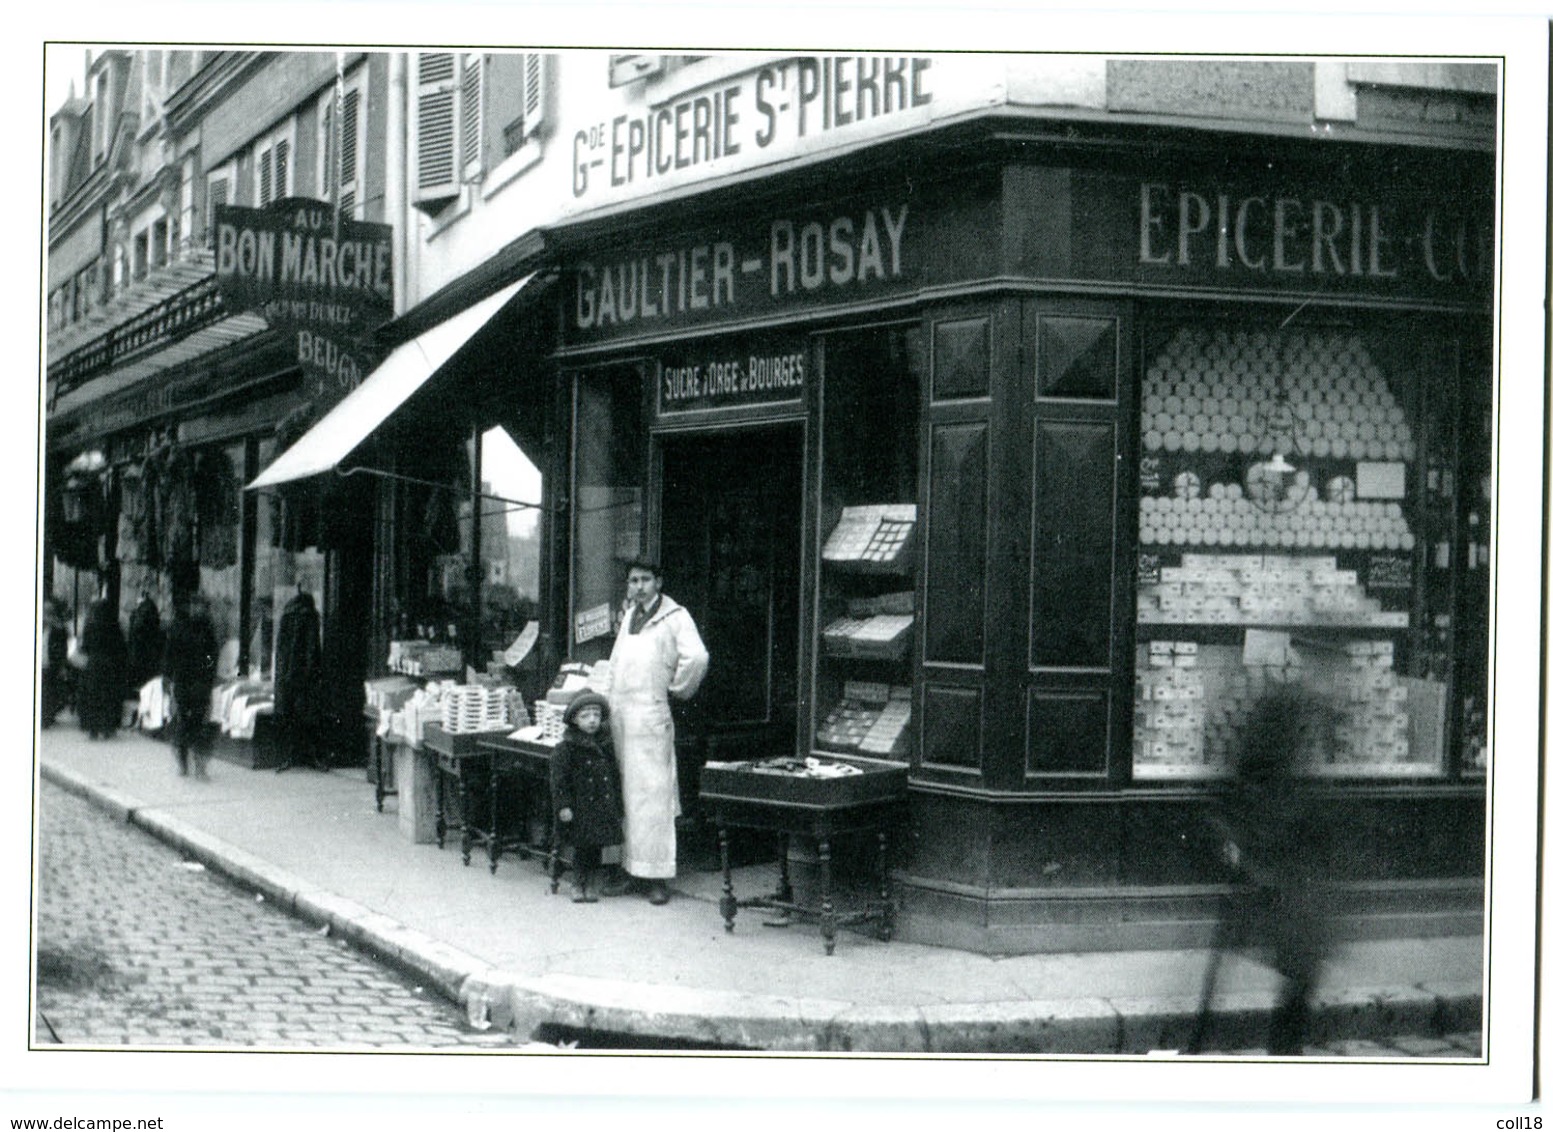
(442, 805)
(887, 911)
(827, 909)
(728, 905)
(493, 816)
(466, 842)
(785, 883)
(377, 757)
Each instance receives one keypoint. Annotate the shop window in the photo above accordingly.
(870, 548)
(1296, 527)
(511, 487)
(608, 481)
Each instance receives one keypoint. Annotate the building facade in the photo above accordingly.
(1021, 419)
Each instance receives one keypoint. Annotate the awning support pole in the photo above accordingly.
(441, 487)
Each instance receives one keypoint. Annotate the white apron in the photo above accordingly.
(667, 655)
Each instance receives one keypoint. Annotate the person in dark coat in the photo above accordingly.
(102, 684)
(298, 684)
(189, 667)
(1272, 826)
(55, 692)
(585, 790)
(146, 641)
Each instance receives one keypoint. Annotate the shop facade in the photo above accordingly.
(1036, 473)
(164, 397)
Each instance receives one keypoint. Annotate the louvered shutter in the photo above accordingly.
(266, 177)
(436, 128)
(471, 107)
(533, 94)
(282, 169)
(349, 117)
(216, 195)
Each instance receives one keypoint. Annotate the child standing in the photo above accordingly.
(585, 790)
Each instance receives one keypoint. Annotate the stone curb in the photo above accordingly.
(735, 1020)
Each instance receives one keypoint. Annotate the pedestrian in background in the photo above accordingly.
(658, 653)
(1272, 827)
(102, 683)
(299, 684)
(585, 790)
(55, 690)
(189, 667)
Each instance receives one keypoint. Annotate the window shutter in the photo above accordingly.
(326, 162)
(216, 195)
(471, 107)
(266, 181)
(533, 94)
(348, 133)
(282, 167)
(436, 106)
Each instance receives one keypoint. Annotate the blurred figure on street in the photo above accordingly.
(1272, 828)
(102, 683)
(189, 667)
(55, 691)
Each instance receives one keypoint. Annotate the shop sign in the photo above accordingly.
(1365, 239)
(326, 282)
(1291, 233)
(782, 262)
(783, 108)
(723, 375)
(592, 623)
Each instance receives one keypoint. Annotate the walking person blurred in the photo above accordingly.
(1272, 826)
(102, 683)
(189, 667)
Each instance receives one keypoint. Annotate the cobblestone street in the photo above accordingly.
(137, 946)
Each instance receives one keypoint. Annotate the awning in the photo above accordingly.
(371, 403)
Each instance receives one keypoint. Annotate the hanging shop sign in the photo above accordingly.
(326, 282)
(738, 374)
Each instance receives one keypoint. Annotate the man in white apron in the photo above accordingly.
(658, 653)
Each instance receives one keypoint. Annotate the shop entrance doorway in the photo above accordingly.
(730, 545)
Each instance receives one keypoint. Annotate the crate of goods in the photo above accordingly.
(550, 719)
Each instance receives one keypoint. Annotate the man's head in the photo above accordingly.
(644, 582)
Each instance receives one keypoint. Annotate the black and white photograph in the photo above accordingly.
(584, 566)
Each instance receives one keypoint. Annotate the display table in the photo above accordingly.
(774, 795)
(521, 769)
(464, 771)
(381, 767)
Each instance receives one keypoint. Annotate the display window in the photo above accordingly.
(281, 570)
(869, 542)
(608, 489)
(1296, 521)
(511, 488)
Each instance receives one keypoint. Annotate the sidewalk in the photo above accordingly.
(514, 955)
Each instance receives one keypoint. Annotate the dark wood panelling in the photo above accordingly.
(1078, 357)
(951, 726)
(957, 544)
(962, 359)
(1067, 732)
(1072, 527)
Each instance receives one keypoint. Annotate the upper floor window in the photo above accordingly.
(341, 135)
(272, 161)
(105, 116)
(220, 189)
(472, 111)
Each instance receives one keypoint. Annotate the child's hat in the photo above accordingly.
(586, 699)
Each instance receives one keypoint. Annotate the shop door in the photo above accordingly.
(731, 509)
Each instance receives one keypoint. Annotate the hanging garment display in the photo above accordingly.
(177, 508)
(219, 508)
